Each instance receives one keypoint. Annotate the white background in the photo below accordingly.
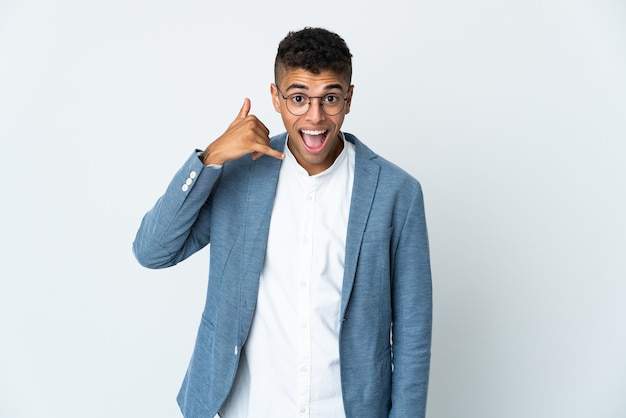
(512, 114)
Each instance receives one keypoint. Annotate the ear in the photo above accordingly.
(349, 101)
(275, 97)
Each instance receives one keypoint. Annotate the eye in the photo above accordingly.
(331, 99)
(298, 99)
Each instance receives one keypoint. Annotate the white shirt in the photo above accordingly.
(289, 365)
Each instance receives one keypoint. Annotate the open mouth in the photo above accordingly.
(314, 140)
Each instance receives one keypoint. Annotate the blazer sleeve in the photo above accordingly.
(179, 223)
(412, 314)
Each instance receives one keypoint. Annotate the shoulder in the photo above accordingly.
(390, 174)
(278, 141)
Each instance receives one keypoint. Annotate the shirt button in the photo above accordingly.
(304, 370)
(188, 182)
(185, 187)
(192, 175)
(302, 410)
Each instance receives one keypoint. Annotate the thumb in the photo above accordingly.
(245, 109)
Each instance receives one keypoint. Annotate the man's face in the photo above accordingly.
(314, 136)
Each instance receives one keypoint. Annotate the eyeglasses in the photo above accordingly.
(299, 103)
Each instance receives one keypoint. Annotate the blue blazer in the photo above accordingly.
(386, 285)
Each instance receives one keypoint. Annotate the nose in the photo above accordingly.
(315, 113)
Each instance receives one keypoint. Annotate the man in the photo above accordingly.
(319, 294)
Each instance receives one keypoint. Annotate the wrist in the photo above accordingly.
(209, 157)
(203, 156)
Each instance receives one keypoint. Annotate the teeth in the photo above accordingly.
(307, 132)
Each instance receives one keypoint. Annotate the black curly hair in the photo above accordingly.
(314, 50)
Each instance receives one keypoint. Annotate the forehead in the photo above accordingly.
(302, 79)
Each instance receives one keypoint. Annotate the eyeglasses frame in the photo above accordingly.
(286, 98)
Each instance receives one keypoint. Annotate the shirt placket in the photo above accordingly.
(304, 305)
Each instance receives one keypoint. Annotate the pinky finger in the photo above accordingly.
(268, 151)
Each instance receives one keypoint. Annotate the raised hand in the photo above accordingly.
(245, 135)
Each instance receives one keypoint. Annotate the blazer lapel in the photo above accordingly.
(258, 212)
(363, 190)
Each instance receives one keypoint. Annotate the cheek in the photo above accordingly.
(338, 121)
(289, 120)
(286, 121)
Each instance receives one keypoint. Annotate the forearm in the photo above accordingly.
(179, 223)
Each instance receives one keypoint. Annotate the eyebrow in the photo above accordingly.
(303, 87)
